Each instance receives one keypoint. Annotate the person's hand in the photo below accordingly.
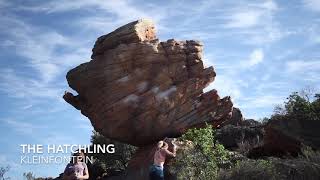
(174, 147)
(173, 141)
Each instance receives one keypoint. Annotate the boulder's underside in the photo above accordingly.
(138, 90)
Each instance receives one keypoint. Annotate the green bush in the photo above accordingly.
(299, 106)
(111, 164)
(203, 161)
(29, 176)
(3, 171)
(204, 139)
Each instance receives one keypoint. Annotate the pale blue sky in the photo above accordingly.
(261, 51)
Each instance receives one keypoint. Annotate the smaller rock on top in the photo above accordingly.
(137, 31)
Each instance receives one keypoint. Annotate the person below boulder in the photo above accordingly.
(156, 169)
(76, 169)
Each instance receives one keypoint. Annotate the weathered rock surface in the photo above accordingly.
(251, 123)
(288, 136)
(231, 137)
(236, 118)
(138, 90)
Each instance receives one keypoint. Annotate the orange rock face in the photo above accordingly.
(138, 90)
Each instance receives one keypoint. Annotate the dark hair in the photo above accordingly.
(75, 155)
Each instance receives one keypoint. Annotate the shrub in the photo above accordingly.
(307, 166)
(296, 168)
(106, 163)
(204, 139)
(250, 169)
(299, 106)
(204, 159)
(3, 171)
(310, 155)
(29, 176)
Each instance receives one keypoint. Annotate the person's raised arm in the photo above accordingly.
(86, 176)
(171, 154)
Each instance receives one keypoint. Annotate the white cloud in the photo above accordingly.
(59, 139)
(309, 71)
(40, 50)
(302, 66)
(122, 8)
(3, 4)
(269, 5)
(227, 81)
(23, 87)
(3, 159)
(226, 86)
(23, 127)
(85, 127)
(268, 33)
(263, 101)
(45, 56)
(244, 19)
(271, 86)
(255, 58)
(37, 46)
(34, 97)
(254, 23)
(251, 15)
(314, 33)
(313, 5)
(122, 12)
(28, 106)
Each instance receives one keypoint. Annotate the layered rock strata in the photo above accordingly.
(138, 90)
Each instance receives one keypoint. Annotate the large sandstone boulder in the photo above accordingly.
(138, 90)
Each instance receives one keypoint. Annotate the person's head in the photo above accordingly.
(160, 144)
(165, 145)
(82, 154)
(76, 157)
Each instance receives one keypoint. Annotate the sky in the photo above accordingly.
(261, 50)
